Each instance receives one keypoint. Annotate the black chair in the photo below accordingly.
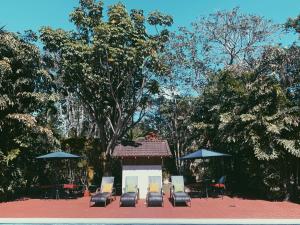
(219, 186)
(105, 193)
(177, 192)
(130, 192)
(155, 193)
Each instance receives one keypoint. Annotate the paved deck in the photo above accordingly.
(110, 221)
(201, 208)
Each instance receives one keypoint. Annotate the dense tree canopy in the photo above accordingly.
(265, 124)
(250, 109)
(110, 65)
(25, 100)
(293, 24)
(172, 119)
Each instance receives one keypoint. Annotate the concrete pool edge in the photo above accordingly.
(144, 221)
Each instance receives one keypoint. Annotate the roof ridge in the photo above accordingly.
(155, 140)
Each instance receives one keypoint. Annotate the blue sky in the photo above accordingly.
(20, 15)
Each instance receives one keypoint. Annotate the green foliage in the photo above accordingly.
(111, 66)
(24, 96)
(249, 115)
(251, 107)
(157, 18)
(293, 24)
(171, 118)
(284, 64)
(261, 123)
(88, 148)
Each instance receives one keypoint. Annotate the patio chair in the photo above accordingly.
(220, 185)
(70, 190)
(155, 193)
(177, 192)
(105, 192)
(130, 192)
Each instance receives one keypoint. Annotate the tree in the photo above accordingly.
(293, 24)
(171, 118)
(284, 64)
(187, 63)
(250, 116)
(25, 99)
(232, 37)
(220, 40)
(111, 66)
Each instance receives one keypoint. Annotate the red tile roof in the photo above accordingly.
(154, 148)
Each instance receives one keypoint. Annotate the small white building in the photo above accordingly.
(142, 158)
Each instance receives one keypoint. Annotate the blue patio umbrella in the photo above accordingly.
(203, 153)
(58, 155)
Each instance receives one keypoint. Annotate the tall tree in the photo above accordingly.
(249, 115)
(25, 99)
(293, 24)
(172, 118)
(284, 64)
(232, 37)
(220, 40)
(111, 66)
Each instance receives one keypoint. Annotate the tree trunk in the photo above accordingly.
(106, 164)
(287, 179)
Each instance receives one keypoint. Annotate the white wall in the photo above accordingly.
(143, 172)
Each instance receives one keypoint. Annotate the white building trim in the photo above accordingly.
(142, 172)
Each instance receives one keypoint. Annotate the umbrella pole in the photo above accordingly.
(206, 180)
(223, 165)
(70, 176)
(56, 186)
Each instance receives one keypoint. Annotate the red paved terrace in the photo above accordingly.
(201, 208)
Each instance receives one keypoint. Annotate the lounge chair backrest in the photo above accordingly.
(222, 180)
(131, 183)
(107, 184)
(178, 183)
(154, 183)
